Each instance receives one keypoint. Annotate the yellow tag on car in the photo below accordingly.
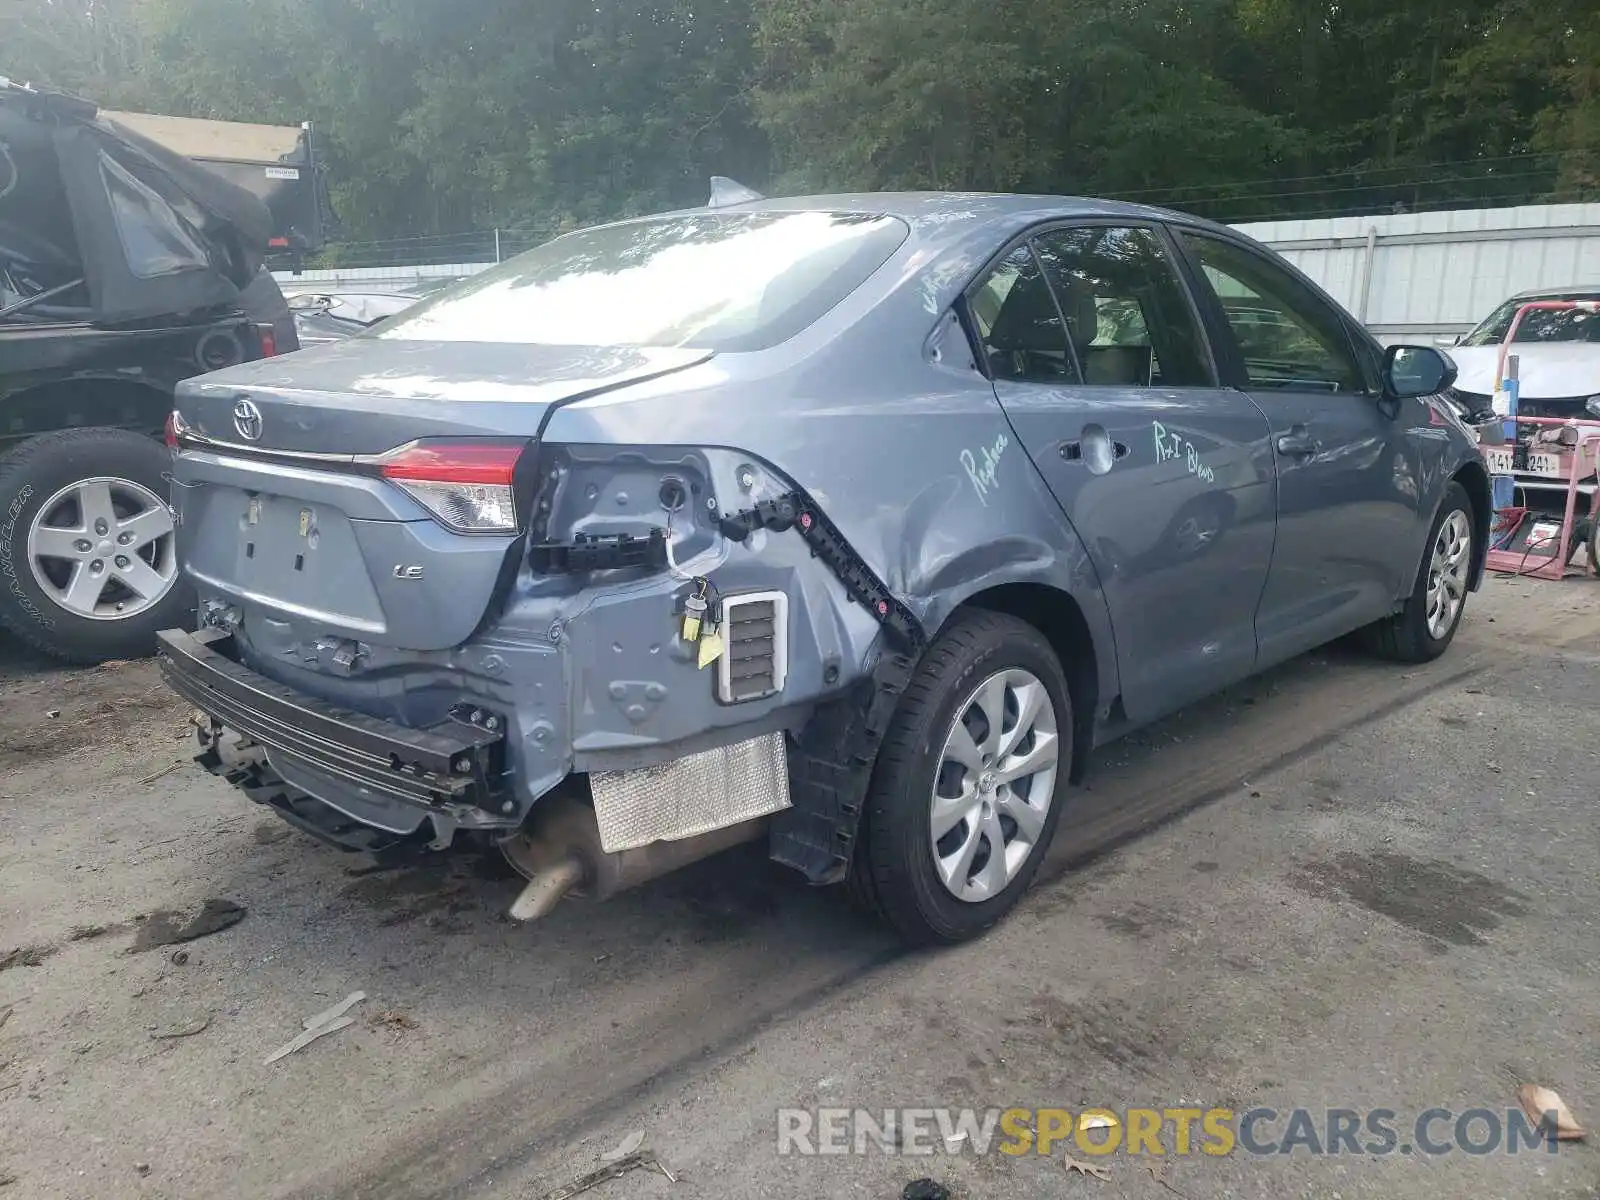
(710, 646)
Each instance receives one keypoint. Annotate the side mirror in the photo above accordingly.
(1410, 371)
(1447, 340)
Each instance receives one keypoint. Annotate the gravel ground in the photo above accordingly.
(1341, 885)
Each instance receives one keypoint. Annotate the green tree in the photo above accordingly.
(438, 119)
(94, 48)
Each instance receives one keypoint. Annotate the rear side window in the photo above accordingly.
(155, 239)
(1130, 320)
(1019, 325)
(717, 281)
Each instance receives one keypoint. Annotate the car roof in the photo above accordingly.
(914, 205)
(1558, 293)
(928, 212)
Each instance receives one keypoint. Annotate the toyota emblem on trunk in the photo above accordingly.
(247, 418)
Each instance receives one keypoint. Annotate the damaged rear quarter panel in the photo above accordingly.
(637, 693)
(879, 413)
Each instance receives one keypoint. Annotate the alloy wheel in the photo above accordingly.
(104, 548)
(993, 784)
(1447, 573)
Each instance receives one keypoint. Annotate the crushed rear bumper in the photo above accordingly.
(381, 774)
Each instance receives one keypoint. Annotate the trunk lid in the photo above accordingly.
(367, 396)
(318, 553)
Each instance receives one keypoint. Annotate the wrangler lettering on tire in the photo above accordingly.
(7, 567)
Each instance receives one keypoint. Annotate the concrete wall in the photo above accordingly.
(1409, 276)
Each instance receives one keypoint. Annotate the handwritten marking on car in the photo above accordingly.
(1173, 445)
(984, 477)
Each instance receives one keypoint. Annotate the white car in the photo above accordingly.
(1558, 375)
(333, 314)
(1558, 352)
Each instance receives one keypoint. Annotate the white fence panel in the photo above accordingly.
(1412, 276)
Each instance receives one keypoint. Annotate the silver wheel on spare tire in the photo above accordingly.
(964, 796)
(88, 545)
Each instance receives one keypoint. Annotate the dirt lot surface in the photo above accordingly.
(1361, 887)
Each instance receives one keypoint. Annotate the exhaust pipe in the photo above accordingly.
(545, 889)
(559, 852)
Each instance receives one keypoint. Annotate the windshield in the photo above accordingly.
(1539, 325)
(718, 281)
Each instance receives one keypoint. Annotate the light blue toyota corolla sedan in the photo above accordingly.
(852, 524)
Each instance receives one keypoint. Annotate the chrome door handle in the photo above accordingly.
(1073, 451)
(1298, 443)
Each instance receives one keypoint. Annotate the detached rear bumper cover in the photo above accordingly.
(451, 767)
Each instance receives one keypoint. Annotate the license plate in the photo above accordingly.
(1499, 461)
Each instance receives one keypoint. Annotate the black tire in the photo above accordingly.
(1405, 637)
(30, 474)
(893, 871)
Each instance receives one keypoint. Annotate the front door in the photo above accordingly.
(1346, 507)
(1098, 360)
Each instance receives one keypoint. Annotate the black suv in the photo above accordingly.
(124, 268)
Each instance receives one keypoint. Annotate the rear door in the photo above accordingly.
(1347, 497)
(1098, 360)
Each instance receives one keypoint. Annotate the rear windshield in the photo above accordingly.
(1539, 325)
(717, 281)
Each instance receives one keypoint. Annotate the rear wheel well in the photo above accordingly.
(1474, 480)
(1057, 615)
(81, 404)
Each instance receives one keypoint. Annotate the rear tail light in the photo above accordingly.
(268, 336)
(175, 429)
(467, 486)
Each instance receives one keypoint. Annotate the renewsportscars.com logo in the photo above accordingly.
(1162, 1131)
